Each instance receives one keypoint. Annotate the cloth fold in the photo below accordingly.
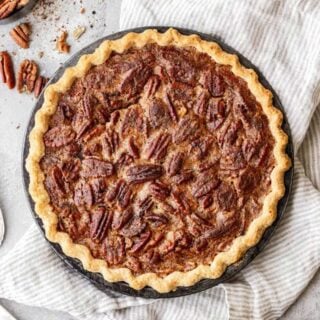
(281, 37)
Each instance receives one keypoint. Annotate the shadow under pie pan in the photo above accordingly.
(147, 292)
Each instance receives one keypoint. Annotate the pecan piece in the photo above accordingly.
(204, 185)
(83, 194)
(226, 197)
(7, 7)
(200, 106)
(152, 85)
(110, 143)
(122, 218)
(27, 75)
(201, 147)
(157, 218)
(144, 172)
(187, 128)
(114, 249)
(175, 164)
(133, 149)
(70, 169)
(96, 168)
(61, 45)
(101, 221)
(57, 179)
(158, 113)
(159, 190)
(134, 227)
(6, 69)
(98, 187)
(213, 83)
(171, 108)
(157, 147)
(141, 242)
(145, 205)
(183, 177)
(122, 192)
(181, 202)
(124, 160)
(39, 85)
(21, 35)
(58, 137)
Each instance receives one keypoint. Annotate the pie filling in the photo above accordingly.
(157, 159)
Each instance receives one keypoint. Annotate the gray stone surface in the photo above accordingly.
(14, 113)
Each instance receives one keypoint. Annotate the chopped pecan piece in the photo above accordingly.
(200, 106)
(27, 75)
(175, 164)
(101, 221)
(201, 147)
(98, 187)
(122, 218)
(157, 147)
(61, 45)
(39, 85)
(96, 168)
(6, 69)
(159, 190)
(114, 249)
(144, 172)
(186, 129)
(21, 35)
(70, 169)
(58, 137)
(133, 120)
(141, 242)
(216, 114)
(133, 264)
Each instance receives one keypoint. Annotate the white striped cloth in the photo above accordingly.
(281, 37)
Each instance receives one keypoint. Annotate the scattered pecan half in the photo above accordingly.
(175, 164)
(6, 69)
(27, 75)
(21, 35)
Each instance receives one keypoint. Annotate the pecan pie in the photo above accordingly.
(157, 160)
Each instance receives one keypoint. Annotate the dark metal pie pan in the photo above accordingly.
(147, 292)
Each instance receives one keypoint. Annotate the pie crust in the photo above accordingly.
(223, 259)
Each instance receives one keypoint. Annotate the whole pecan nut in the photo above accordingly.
(27, 75)
(21, 35)
(6, 69)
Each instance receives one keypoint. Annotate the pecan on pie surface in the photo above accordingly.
(157, 160)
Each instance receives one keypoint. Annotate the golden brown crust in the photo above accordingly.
(239, 246)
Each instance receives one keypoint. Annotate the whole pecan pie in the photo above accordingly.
(157, 160)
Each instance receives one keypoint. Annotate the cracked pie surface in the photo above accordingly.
(157, 160)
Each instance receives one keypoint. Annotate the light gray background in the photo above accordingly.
(15, 110)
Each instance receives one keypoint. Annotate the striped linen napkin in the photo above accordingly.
(281, 37)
